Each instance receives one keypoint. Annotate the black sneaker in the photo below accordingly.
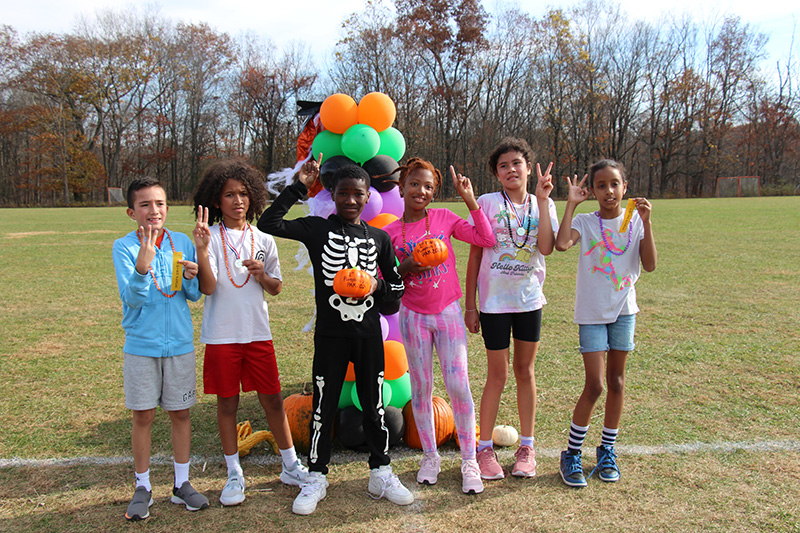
(572, 470)
(193, 500)
(139, 508)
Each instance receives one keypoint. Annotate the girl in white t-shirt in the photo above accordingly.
(237, 264)
(508, 278)
(613, 241)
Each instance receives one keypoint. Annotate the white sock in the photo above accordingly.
(527, 441)
(233, 464)
(483, 444)
(181, 473)
(289, 457)
(143, 479)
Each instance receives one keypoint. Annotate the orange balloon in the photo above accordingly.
(382, 220)
(338, 112)
(351, 372)
(376, 110)
(395, 360)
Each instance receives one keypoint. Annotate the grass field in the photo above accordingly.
(709, 438)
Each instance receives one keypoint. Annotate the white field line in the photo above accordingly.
(346, 457)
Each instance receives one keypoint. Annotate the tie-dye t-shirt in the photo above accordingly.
(512, 271)
(607, 268)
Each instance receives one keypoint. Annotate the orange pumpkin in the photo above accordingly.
(298, 408)
(443, 424)
(431, 252)
(352, 283)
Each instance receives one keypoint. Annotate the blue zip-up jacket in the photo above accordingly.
(155, 326)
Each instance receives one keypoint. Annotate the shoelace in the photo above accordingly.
(309, 487)
(523, 454)
(470, 468)
(428, 462)
(609, 460)
(389, 481)
(573, 466)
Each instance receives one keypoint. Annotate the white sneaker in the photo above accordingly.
(311, 492)
(296, 476)
(233, 493)
(384, 483)
(429, 469)
(471, 478)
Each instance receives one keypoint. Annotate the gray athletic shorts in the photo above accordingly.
(169, 382)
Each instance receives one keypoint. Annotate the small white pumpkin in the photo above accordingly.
(504, 435)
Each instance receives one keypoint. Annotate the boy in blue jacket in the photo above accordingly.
(159, 359)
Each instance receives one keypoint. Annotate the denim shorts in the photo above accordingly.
(603, 337)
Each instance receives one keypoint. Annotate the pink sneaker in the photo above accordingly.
(471, 478)
(525, 465)
(487, 461)
(429, 469)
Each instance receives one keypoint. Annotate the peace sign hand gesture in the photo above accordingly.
(201, 233)
(544, 184)
(577, 191)
(147, 248)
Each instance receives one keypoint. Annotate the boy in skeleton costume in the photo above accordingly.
(346, 329)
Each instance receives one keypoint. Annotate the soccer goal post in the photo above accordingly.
(115, 195)
(737, 186)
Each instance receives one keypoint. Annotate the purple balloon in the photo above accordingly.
(384, 327)
(392, 202)
(394, 327)
(322, 204)
(374, 206)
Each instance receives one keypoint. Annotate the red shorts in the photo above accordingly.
(253, 365)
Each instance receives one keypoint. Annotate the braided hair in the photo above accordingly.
(417, 163)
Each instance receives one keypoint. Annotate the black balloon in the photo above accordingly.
(330, 166)
(380, 165)
(350, 430)
(393, 417)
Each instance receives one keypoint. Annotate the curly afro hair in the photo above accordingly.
(210, 187)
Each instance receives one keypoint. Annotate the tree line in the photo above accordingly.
(680, 102)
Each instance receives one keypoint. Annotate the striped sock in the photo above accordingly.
(609, 436)
(576, 436)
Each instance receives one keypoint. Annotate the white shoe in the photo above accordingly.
(384, 483)
(296, 476)
(429, 469)
(311, 492)
(233, 493)
(471, 478)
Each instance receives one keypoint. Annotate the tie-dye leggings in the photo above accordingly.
(445, 330)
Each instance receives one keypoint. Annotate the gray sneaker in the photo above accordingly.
(296, 476)
(193, 500)
(139, 508)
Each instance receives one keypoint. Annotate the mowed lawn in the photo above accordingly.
(710, 436)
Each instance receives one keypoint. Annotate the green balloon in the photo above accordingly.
(387, 395)
(346, 399)
(360, 143)
(401, 391)
(392, 144)
(327, 143)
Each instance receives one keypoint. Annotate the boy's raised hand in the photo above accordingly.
(147, 248)
(201, 233)
(464, 187)
(309, 172)
(544, 184)
(577, 191)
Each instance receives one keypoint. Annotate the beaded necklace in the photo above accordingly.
(605, 239)
(222, 233)
(427, 229)
(150, 267)
(344, 238)
(520, 230)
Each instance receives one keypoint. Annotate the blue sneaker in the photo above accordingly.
(572, 470)
(607, 468)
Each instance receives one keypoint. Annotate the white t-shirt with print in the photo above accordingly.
(511, 277)
(238, 315)
(606, 279)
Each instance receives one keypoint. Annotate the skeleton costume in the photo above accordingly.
(346, 329)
